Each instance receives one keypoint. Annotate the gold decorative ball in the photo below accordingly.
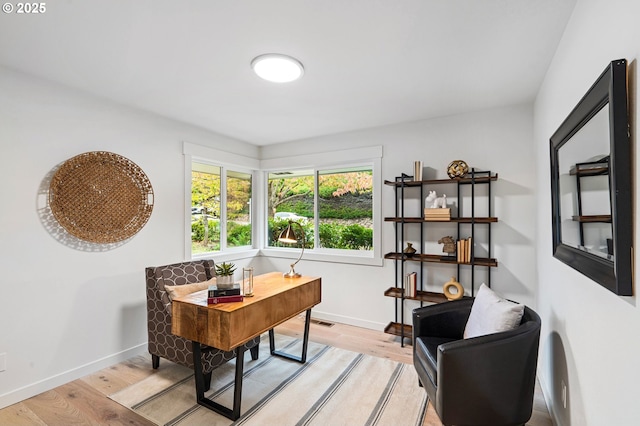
(457, 169)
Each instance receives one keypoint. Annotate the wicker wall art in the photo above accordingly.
(101, 197)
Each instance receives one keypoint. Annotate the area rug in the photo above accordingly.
(334, 387)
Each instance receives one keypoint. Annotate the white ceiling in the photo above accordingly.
(367, 62)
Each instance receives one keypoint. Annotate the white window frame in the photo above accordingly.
(357, 157)
(237, 163)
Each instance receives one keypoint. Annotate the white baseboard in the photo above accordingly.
(348, 320)
(49, 383)
(547, 398)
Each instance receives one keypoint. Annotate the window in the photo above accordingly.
(290, 196)
(205, 208)
(213, 187)
(238, 209)
(342, 203)
(337, 204)
(345, 208)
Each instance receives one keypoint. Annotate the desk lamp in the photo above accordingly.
(288, 236)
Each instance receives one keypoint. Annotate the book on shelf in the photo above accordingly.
(463, 249)
(214, 291)
(224, 299)
(437, 211)
(437, 214)
(411, 285)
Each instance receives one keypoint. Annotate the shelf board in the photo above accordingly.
(423, 296)
(599, 218)
(593, 171)
(396, 329)
(436, 258)
(591, 168)
(464, 180)
(452, 220)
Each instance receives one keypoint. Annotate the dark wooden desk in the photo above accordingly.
(228, 326)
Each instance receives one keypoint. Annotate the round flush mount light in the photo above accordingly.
(277, 68)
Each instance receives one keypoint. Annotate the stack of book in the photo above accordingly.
(411, 285)
(437, 214)
(217, 295)
(463, 248)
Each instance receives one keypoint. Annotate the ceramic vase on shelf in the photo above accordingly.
(453, 284)
(409, 250)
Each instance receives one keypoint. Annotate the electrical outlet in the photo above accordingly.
(564, 394)
(3, 361)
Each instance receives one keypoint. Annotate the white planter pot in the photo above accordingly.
(226, 280)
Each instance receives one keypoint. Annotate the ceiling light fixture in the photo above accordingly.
(277, 68)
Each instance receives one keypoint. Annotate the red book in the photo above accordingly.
(224, 299)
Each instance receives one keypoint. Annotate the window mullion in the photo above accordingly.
(223, 208)
(316, 210)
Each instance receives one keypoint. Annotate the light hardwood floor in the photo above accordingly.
(85, 402)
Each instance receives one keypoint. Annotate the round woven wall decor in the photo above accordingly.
(101, 197)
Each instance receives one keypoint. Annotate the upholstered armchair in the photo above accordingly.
(484, 380)
(163, 344)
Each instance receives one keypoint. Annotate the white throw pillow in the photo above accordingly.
(491, 313)
(174, 291)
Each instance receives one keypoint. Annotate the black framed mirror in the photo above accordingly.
(591, 184)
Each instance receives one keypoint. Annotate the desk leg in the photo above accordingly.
(305, 340)
(234, 413)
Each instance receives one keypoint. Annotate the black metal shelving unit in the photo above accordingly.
(586, 170)
(401, 185)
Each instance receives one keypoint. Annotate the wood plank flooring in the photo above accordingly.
(85, 402)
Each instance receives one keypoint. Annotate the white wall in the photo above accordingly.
(67, 312)
(590, 336)
(499, 140)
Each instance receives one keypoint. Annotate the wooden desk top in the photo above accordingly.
(228, 325)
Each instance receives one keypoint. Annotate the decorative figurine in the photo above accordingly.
(449, 245)
(437, 202)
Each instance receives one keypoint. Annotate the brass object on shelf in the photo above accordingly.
(452, 283)
(101, 197)
(409, 250)
(457, 169)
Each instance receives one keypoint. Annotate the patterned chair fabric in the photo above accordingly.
(163, 344)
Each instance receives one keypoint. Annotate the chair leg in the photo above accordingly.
(254, 351)
(207, 380)
(155, 361)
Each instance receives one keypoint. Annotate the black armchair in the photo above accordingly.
(485, 380)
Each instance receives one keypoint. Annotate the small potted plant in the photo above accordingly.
(224, 274)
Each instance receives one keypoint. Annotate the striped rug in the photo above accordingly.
(334, 387)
